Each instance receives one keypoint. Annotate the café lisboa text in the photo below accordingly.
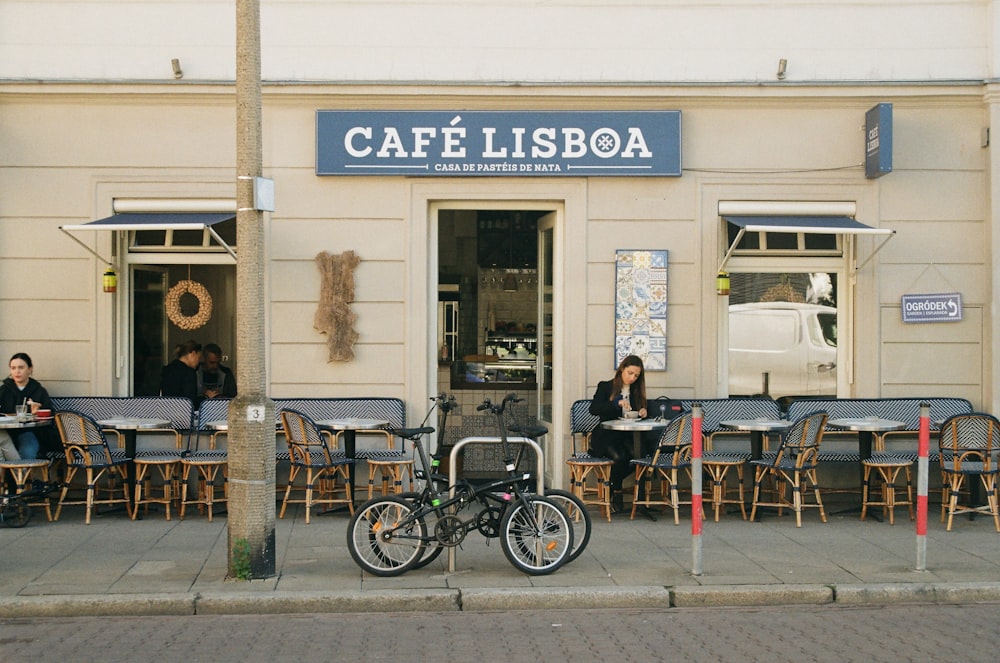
(452, 142)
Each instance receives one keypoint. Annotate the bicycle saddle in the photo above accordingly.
(529, 431)
(412, 433)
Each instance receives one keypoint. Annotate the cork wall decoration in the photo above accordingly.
(334, 316)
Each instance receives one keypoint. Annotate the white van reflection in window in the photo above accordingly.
(796, 344)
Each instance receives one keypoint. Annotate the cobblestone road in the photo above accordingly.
(896, 633)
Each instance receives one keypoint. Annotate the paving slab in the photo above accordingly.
(153, 566)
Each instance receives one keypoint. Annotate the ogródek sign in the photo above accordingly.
(946, 307)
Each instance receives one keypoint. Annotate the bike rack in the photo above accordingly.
(453, 463)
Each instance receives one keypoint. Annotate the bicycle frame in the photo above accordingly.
(500, 492)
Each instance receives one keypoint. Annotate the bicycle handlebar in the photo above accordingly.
(498, 409)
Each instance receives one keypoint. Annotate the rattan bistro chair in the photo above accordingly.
(794, 465)
(583, 466)
(21, 472)
(672, 455)
(968, 446)
(209, 469)
(388, 464)
(717, 464)
(160, 469)
(884, 469)
(87, 450)
(309, 450)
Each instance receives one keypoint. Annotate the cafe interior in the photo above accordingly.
(488, 309)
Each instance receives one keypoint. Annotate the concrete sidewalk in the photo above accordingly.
(148, 567)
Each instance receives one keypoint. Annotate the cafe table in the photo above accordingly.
(350, 426)
(217, 426)
(129, 427)
(757, 428)
(10, 421)
(637, 427)
(866, 428)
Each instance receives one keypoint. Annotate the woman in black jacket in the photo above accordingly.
(20, 388)
(180, 377)
(612, 399)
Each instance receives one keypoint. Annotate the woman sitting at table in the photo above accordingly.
(180, 377)
(613, 398)
(20, 388)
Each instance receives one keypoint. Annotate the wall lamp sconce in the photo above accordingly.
(782, 65)
(722, 284)
(175, 64)
(110, 280)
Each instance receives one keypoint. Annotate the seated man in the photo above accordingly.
(214, 379)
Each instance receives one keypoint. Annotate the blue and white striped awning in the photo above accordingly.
(164, 221)
(155, 221)
(826, 225)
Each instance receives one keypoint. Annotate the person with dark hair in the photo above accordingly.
(624, 393)
(214, 379)
(20, 388)
(180, 377)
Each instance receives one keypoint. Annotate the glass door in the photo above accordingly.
(149, 328)
(546, 293)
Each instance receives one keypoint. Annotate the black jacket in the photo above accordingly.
(179, 379)
(225, 382)
(603, 440)
(10, 395)
(606, 409)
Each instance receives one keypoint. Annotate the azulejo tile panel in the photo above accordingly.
(641, 307)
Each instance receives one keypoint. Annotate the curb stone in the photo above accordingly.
(563, 598)
(487, 599)
(90, 605)
(877, 594)
(248, 603)
(750, 595)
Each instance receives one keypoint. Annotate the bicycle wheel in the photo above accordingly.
(579, 519)
(375, 543)
(15, 513)
(434, 547)
(536, 535)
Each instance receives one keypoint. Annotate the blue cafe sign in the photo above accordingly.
(878, 141)
(488, 143)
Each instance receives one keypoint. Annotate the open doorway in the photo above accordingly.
(490, 338)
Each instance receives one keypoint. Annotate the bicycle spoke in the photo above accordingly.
(385, 537)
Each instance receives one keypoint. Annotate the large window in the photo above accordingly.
(783, 334)
(154, 336)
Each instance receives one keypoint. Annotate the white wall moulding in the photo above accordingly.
(787, 208)
(179, 205)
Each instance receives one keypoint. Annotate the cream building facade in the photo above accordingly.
(772, 96)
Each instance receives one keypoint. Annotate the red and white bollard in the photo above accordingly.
(923, 450)
(696, 506)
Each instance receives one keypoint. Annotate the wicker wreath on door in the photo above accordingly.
(173, 305)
